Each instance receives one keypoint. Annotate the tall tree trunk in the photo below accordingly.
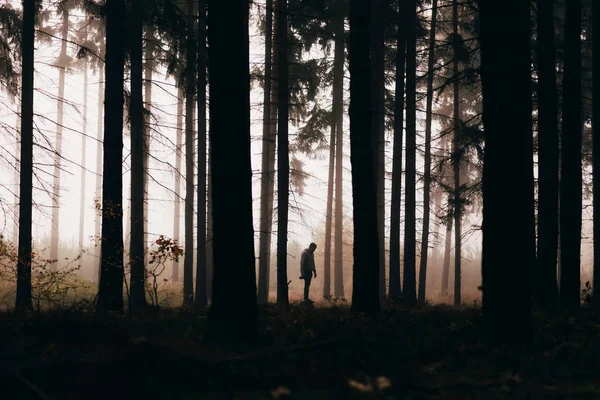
(365, 282)
(148, 72)
(110, 292)
(456, 157)
(378, 122)
(188, 261)
(99, 165)
(283, 160)
(16, 178)
(394, 283)
(233, 312)
(83, 157)
(547, 290)
(427, 167)
(338, 116)
(410, 295)
(596, 145)
(177, 202)
(209, 228)
(137, 299)
(23, 298)
(506, 79)
(571, 179)
(268, 147)
(201, 299)
(447, 252)
(54, 234)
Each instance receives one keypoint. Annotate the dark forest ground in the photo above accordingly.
(321, 353)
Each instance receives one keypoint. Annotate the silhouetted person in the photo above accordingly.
(307, 268)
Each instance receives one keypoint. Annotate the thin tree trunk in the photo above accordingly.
(447, 252)
(110, 293)
(54, 234)
(83, 157)
(547, 290)
(365, 282)
(209, 228)
(410, 295)
(16, 177)
(427, 167)
(329, 210)
(268, 146)
(188, 261)
(201, 299)
(571, 178)
(338, 116)
(283, 161)
(177, 202)
(23, 297)
(148, 72)
(137, 299)
(99, 170)
(233, 311)
(456, 158)
(394, 283)
(596, 145)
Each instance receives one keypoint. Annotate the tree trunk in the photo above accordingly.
(62, 68)
(16, 177)
(546, 290)
(110, 292)
(427, 167)
(137, 300)
(148, 72)
(201, 300)
(23, 297)
(82, 201)
(571, 179)
(188, 260)
(283, 161)
(268, 147)
(338, 117)
(394, 283)
(506, 79)
(596, 145)
(233, 312)
(456, 157)
(209, 228)
(99, 165)
(177, 202)
(410, 295)
(447, 252)
(365, 293)
(378, 122)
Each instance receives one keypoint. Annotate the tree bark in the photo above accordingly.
(410, 295)
(571, 179)
(456, 157)
(233, 311)
(201, 299)
(99, 170)
(283, 161)
(365, 293)
(447, 251)
(82, 201)
(177, 202)
(596, 145)
(546, 290)
(148, 73)
(23, 297)
(110, 292)
(427, 167)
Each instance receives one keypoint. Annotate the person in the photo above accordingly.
(307, 268)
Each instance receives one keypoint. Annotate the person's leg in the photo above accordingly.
(307, 280)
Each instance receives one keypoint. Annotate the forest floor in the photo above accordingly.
(319, 353)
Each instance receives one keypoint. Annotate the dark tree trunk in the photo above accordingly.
(365, 293)
(23, 299)
(233, 311)
(329, 209)
(177, 202)
(137, 300)
(394, 284)
(571, 179)
(148, 72)
(447, 252)
(427, 167)
(99, 164)
(82, 193)
(546, 290)
(596, 144)
(60, 104)
(456, 151)
(506, 78)
(188, 260)
(110, 292)
(209, 228)
(410, 251)
(283, 161)
(268, 153)
(378, 122)
(338, 117)
(201, 299)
